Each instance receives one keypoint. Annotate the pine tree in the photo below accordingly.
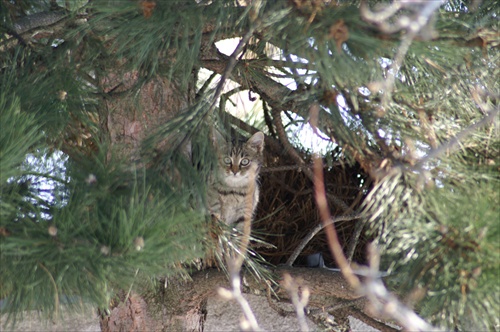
(106, 112)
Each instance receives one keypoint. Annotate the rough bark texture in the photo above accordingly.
(129, 119)
(185, 305)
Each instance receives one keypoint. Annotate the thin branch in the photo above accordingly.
(358, 228)
(423, 12)
(452, 144)
(226, 96)
(289, 148)
(267, 118)
(231, 63)
(295, 167)
(313, 233)
(386, 303)
(299, 301)
(372, 287)
(269, 141)
(359, 225)
(321, 201)
(235, 294)
(205, 85)
(381, 15)
(388, 85)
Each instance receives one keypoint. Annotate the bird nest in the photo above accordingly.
(287, 211)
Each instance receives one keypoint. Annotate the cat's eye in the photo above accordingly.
(244, 162)
(227, 161)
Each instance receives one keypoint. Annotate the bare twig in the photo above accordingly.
(423, 12)
(235, 260)
(330, 231)
(315, 231)
(321, 201)
(235, 294)
(452, 144)
(299, 301)
(358, 228)
(270, 142)
(231, 63)
(280, 130)
(373, 287)
(205, 85)
(388, 85)
(226, 96)
(359, 224)
(386, 303)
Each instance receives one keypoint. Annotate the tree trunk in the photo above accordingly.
(127, 119)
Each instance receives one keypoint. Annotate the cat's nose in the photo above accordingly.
(234, 169)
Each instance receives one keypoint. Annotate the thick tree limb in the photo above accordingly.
(328, 290)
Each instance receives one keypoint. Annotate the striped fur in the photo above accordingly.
(234, 193)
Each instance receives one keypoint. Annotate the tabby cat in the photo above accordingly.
(238, 166)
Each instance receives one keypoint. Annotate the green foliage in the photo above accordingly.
(462, 257)
(173, 31)
(20, 133)
(112, 228)
(99, 226)
(444, 241)
(109, 221)
(47, 84)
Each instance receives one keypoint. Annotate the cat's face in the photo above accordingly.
(239, 161)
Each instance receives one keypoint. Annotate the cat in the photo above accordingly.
(236, 180)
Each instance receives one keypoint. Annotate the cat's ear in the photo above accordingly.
(256, 142)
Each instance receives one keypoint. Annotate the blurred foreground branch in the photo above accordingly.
(373, 288)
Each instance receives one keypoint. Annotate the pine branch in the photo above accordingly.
(278, 96)
(412, 25)
(373, 287)
(37, 20)
(269, 141)
(453, 143)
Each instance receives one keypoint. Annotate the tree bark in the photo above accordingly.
(128, 119)
(182, 305)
